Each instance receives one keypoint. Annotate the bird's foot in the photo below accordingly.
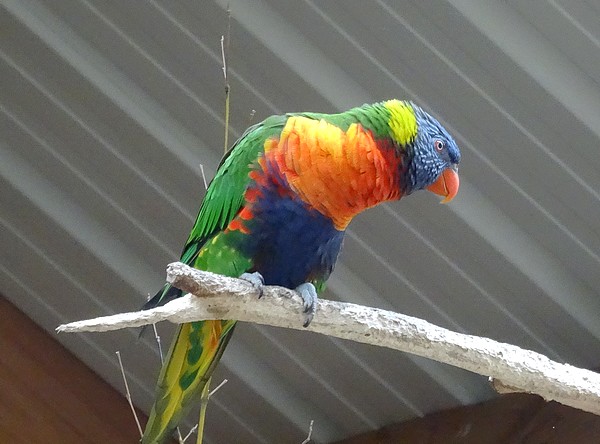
(308, 293)
(257, 281)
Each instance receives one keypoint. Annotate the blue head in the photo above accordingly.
(432, 158)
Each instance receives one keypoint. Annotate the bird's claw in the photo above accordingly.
(257, 281)
(308, 293)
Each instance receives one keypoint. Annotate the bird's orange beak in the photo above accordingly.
(446, 185)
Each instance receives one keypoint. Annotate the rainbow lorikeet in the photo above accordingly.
(279, 205)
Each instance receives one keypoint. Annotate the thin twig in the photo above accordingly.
(128, 394)
(203, 406)
(226, 139)
(203, 176)
(310, 429)
(158, 343)
(224, 56)
(224, 60)
(227, 40)
(213, 391)
(190, 433)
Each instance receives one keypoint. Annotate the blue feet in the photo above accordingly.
(257, 281)
(308, 293)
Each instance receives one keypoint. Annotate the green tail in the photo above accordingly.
(193, 356)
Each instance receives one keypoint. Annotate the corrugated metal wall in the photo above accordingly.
(108, 109)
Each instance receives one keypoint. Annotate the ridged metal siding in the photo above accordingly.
(108, 109)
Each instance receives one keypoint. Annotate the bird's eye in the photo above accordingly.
(439, 145)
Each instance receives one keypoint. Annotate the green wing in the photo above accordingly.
(225, 194)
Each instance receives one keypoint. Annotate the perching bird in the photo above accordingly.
(279, 205)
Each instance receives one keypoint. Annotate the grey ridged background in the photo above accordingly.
(108, 109)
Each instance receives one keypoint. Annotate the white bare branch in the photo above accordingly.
(217, 297)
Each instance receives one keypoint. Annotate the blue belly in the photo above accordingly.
(291, 243)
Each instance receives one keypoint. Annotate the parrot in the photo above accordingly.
(276, 211)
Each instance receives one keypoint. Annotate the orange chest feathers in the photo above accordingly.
(339, 173)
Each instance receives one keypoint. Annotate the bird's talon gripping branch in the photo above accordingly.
(257, 281)
(308, 293)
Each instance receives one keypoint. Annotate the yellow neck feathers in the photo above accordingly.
(403, 122)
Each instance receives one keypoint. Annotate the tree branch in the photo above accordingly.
(221, 297)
